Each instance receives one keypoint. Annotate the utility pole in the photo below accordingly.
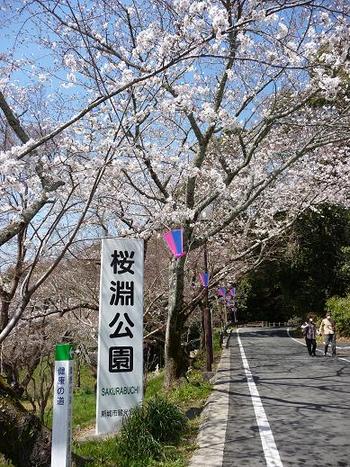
(207, 318)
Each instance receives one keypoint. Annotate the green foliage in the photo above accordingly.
(264, 294)
(200, 360)
(318, 261)
(340, 311)
(101, 452)
(345, 266)
(244, 292)
(4, 462)
(84, 407)
(293, 321)
(151, 436)
(310, 265)
(197, 390)
(154, 385)
(164, 420)
(84, 400)
(135, 442)
(107, 453)
(216, 341)
(142, 434)
(189, 392)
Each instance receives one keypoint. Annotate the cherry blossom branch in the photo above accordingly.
(16, 226)
(61, 311)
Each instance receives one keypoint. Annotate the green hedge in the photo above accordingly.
(340, 310)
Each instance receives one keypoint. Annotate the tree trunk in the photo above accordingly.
(175, 361)
(23, 439)
(202, 334)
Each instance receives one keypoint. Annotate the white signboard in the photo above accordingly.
(62, 407)
(120, 337)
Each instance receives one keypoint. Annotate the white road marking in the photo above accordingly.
(318, 350)
(271, 453)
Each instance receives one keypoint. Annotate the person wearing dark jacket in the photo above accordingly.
(310, 337)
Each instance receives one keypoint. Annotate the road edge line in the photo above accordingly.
(271, 453)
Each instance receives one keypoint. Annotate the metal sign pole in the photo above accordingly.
(62, 407)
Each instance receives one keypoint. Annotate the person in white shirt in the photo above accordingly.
(303, 329)
(327, 329)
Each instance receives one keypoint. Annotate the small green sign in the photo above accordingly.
(64, 352)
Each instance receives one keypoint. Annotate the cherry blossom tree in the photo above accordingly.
(236, 128)
(215, 100)
(216, 115)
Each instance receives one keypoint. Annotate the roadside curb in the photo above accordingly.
(212, 430)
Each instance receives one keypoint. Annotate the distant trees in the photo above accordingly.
(306, 270)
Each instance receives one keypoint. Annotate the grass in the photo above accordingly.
(100, 452)
(189, 395)
(194, 393)
(84, 402)
(84, 408)
(154, 385)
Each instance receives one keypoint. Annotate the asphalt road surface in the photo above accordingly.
(285, 407)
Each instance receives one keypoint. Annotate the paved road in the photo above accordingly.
(284, 408)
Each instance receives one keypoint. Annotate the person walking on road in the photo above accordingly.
(327, 329)
(310, 332)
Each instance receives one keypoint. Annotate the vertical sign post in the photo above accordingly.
(62, 407)
(120, 337)
(232, 293)
(207, 314)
